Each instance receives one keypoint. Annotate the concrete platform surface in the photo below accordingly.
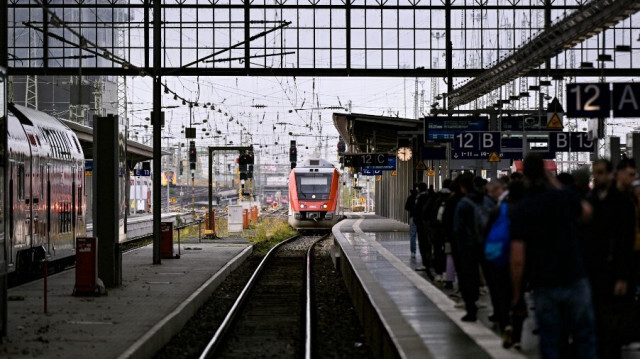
(131, 321)
(420, 319)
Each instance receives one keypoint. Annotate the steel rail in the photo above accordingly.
(226, 323)
(308, 330)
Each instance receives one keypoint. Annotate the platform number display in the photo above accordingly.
(588, 100)
(366, 160)
(570, 142)
(626, 100)
(467, 145)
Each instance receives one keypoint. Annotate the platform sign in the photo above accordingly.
(626, 100)
(366, 159)
(570, 142)
(370, 172)
(442, 129)
(588, 100)
(391, 165)
(142, 172)
(533, 122)
(475, 145)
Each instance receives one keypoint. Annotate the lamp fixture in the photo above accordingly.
(605, 57)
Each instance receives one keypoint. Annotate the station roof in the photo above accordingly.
(359, 129)
(136, 152)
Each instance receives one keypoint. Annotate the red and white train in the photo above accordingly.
(46, 190)
(314, 195)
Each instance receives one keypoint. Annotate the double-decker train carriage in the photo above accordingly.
(46, 191)
(313, 195)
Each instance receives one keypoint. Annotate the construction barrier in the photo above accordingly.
(245, 218)
(254, 214)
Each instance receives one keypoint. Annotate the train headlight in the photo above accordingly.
(302, 205)
(324, 205)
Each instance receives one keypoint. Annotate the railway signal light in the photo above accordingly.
(192, 152)
(293, 152)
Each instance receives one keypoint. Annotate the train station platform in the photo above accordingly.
(406, 315)
(131, 321)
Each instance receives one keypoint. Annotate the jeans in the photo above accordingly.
(566, 310)
(413, 231)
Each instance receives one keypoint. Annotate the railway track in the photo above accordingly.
(273, 314)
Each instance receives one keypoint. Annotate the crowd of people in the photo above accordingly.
(574, 246)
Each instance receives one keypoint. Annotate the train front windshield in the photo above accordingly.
(313, 185)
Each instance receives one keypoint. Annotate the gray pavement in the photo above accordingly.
(131, 321)
(383, 245)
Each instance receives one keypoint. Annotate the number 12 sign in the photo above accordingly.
(588, 100)
(468, 145)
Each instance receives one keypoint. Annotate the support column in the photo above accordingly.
(157, 135)
(210, 181)
(105, 177)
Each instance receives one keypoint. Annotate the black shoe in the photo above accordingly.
(469, 318)
(448, 285)
(507, 337)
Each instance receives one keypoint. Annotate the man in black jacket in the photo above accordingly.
(608, 248)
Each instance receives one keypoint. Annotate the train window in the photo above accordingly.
(313, 185)
(41, 181)
(20, 181)
(80, 201)
(56, 141)
(65, 143)
(54, 149)
(75, 140)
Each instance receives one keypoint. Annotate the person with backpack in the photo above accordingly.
(413, 230)
(470, 220)
(495, 263)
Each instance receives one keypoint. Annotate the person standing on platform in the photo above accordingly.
(497, 276)
(471, 217)
(608, 250)
(448, 215)
(544, 241)
(409, 206)
(423, 240)
(434, 228)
